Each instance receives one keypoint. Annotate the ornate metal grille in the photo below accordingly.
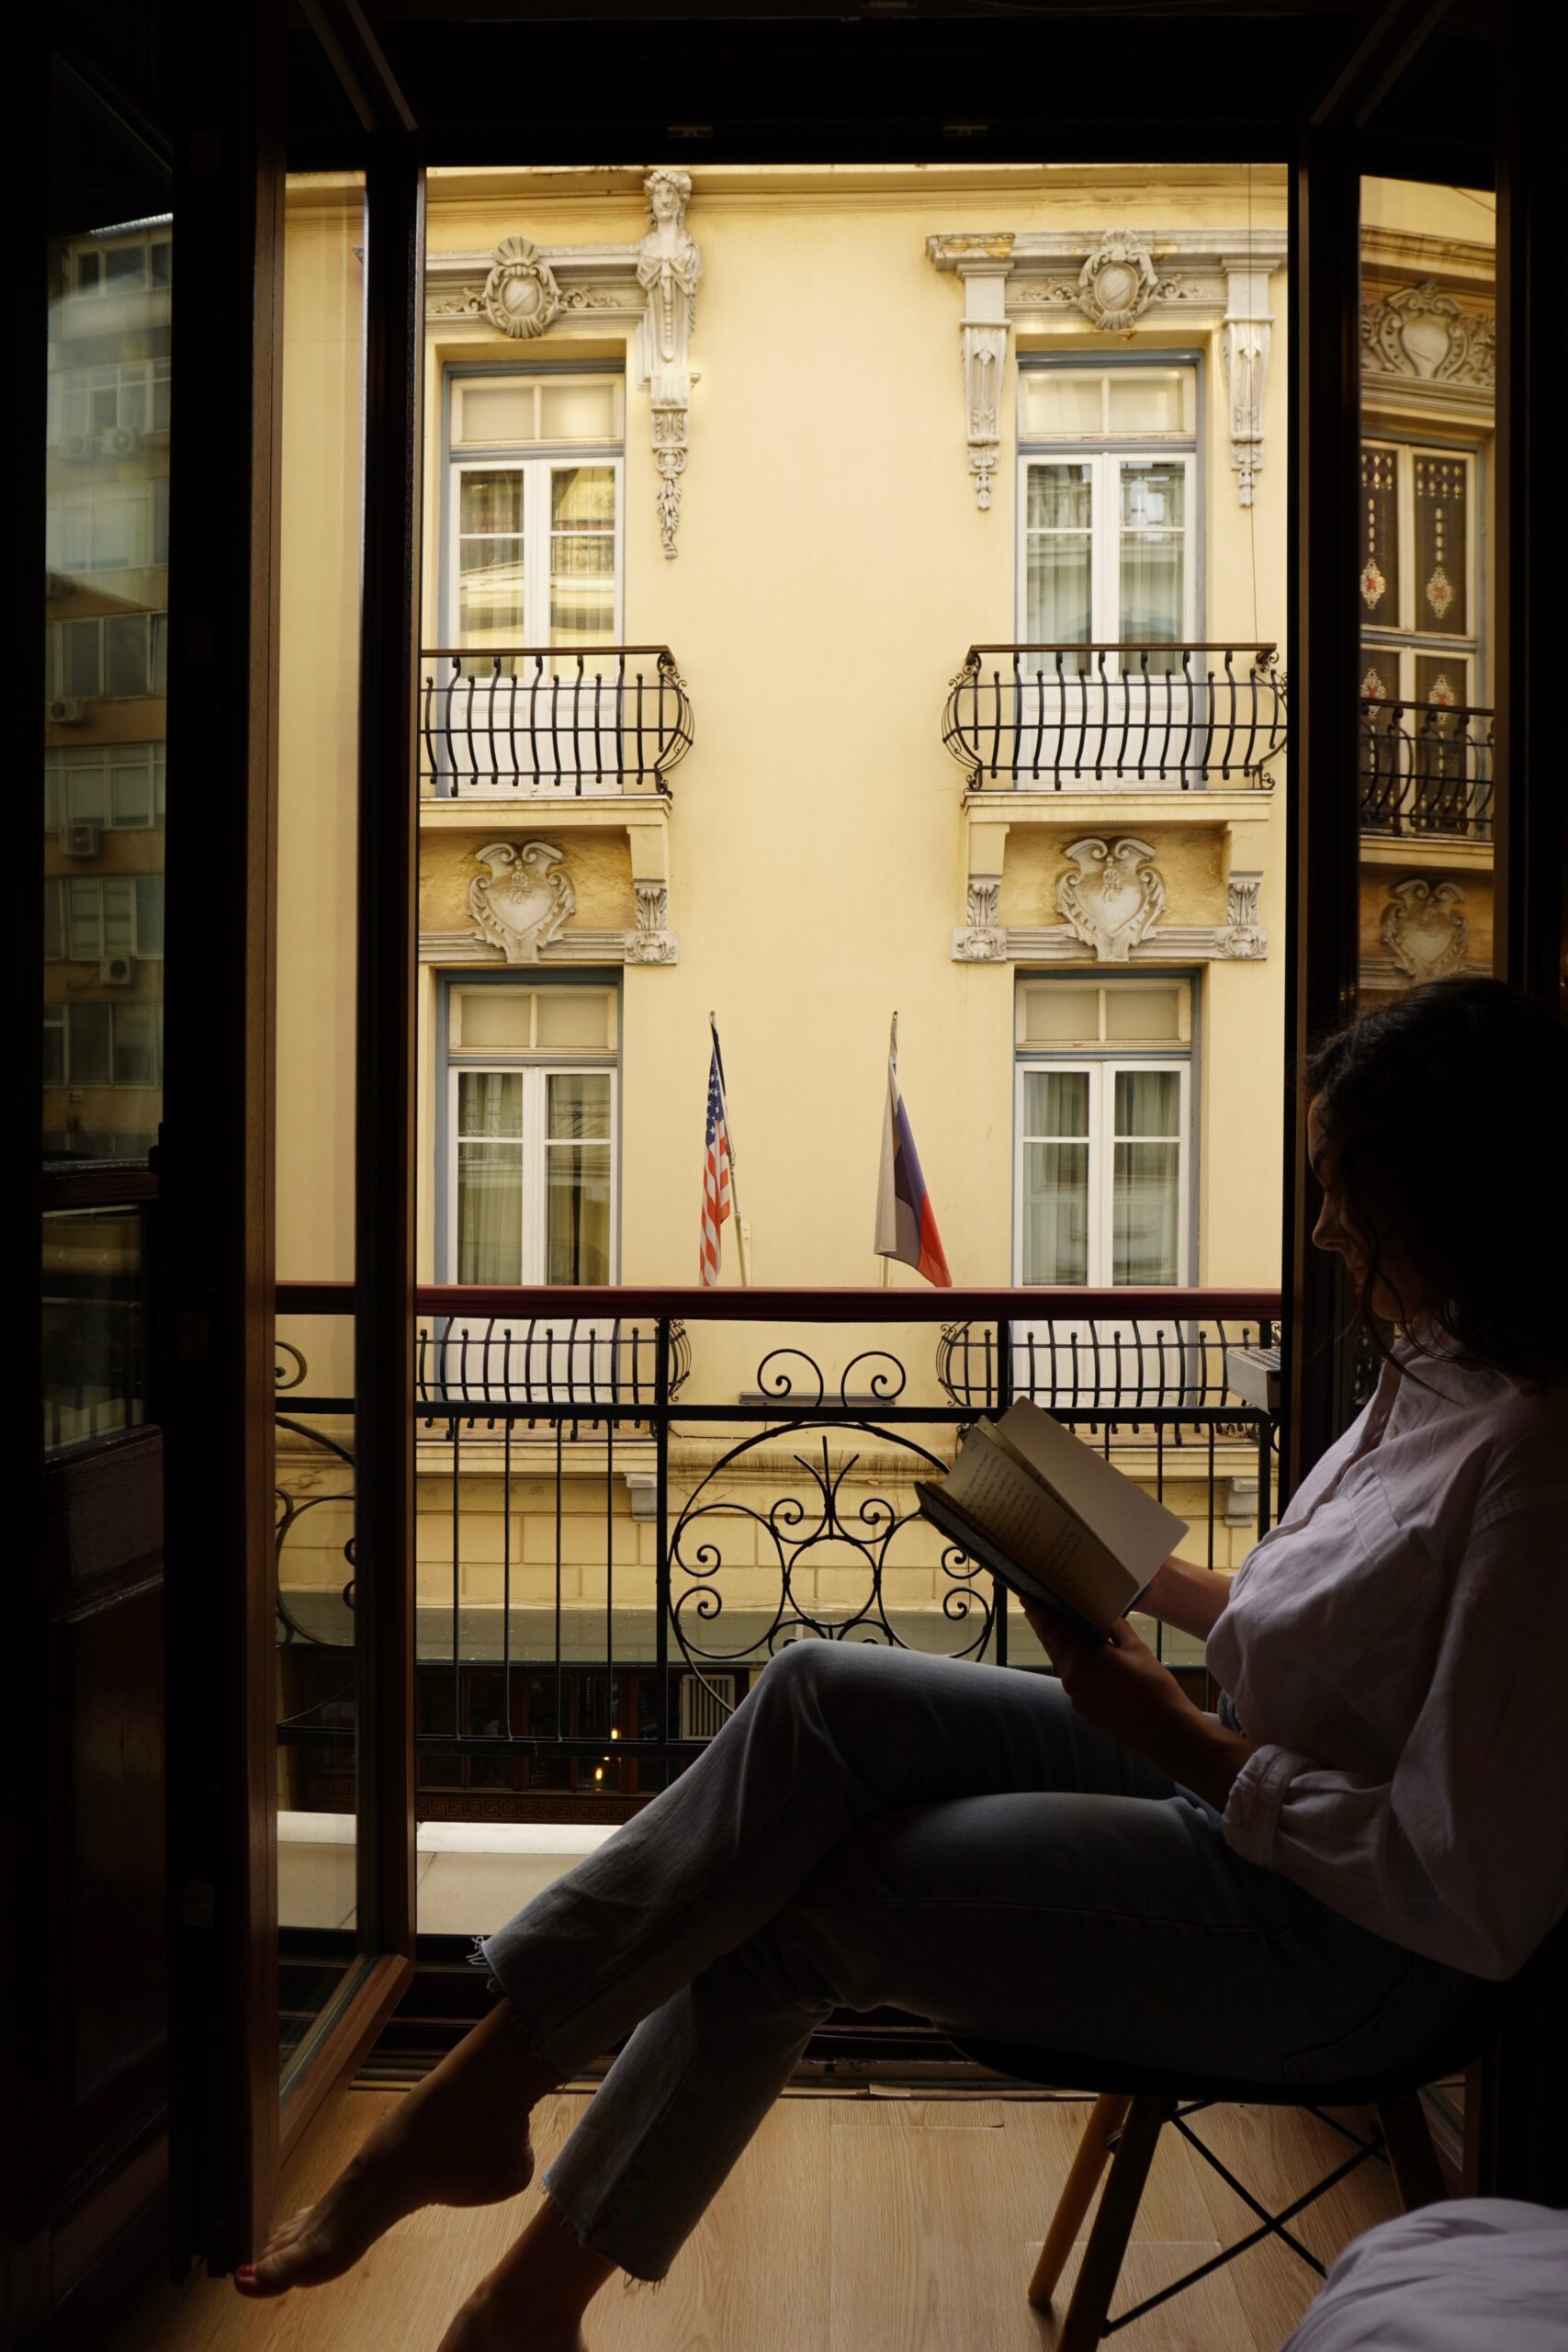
(1050, 718)
(526, 720)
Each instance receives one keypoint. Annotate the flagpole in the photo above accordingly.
(743, 1248)
(893, 1063)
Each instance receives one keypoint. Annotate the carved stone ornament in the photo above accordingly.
(652, 942)
(1118, 279)
(982, 939)
(1114, 896)
(669, 269)
(521, 296)
(1421, 332)
(984, 356)
(1425, 929)
(1117, 282)
(1243, 938)
(527, 901)
(1244, 353)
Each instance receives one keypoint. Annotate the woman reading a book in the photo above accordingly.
(1303, 1884)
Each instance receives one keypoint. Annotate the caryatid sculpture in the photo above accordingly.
(669, 268)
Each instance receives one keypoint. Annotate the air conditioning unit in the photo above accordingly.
(67, 710)
(708, 1702)
(115, 971)
(83, 837)
(122, 440)
(79, 445)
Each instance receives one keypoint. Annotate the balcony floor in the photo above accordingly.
(853, 2223)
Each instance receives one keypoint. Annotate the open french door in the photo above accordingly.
(269, 2007)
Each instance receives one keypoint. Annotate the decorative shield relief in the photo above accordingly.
(1117, 282)
(1425, 930)
(526, 902)
(1114, 898)
(520, 296)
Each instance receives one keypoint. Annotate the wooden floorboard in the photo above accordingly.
(851, 2224)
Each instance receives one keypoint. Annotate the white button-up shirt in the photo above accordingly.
(1398, 1647)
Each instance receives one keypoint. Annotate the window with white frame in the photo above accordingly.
(1417, 584)
(1103, 1156)
(118, 654)
(109, 527)
(532, 1111)
(95, 1043)
(107, 408)
(1109, 529)
(534, 512)
(117, 787)
(129, 261)
(89, 917)
(531, 1184)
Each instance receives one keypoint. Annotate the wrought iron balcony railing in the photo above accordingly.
(1427, 768)
(607, 1560)
(1184, 1361)
(526, 721)
(1168, 717)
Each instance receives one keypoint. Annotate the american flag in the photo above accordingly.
(715, 1173)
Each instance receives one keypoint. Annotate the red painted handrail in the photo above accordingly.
(771, 1305)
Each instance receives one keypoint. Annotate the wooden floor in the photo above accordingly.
(853, 2225)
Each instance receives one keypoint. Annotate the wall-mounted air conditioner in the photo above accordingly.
(115, 971)
(79, 445)
(708, 1702)
(83, 837)
(122, 440)
(66, 710)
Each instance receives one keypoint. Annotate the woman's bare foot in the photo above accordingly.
(535, 2298)
(460, 2137)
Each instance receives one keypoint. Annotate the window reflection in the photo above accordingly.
(106, 600)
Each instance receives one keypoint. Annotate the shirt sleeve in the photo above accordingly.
(1463, 1853)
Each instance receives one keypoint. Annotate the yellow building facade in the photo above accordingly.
(847, 592)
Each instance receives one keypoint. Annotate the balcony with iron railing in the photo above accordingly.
(529, 722)
(1098, 717)
(615, 1534)
(1426, 770)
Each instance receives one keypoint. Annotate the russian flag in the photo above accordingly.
(906, 1222)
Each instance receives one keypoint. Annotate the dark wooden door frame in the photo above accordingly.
(217, 1159)
(229, 2130)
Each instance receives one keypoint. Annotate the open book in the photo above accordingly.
(1051, 1518)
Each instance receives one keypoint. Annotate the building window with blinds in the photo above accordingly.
(1103, 1167)
(1108, 513)
(534, 512)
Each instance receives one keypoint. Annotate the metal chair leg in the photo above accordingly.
(1103, 2254)
(1417, 2173)
(1105, 2119)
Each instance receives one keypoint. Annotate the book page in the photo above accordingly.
(1023, 1519)
(1004, 1500)
(1130, 1524)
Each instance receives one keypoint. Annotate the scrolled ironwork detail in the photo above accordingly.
(288, 1511)
(798, 1529)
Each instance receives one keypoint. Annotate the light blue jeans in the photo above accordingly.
(874, 1825)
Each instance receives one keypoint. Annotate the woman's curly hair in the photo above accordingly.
(1445, 1122)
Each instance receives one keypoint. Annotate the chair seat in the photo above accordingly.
(1072, 2070)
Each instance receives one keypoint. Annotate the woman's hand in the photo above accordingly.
(1122, 1690)
(1118, 1686)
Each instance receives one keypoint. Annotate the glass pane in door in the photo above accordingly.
(1153, 557)
(1059, 554)
(322, 1798)
(582, 558)
(579, 1206)
(1055, 1176)
(1425, 589)
(489, 1176)
(490, 559)
(1145, 1199)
